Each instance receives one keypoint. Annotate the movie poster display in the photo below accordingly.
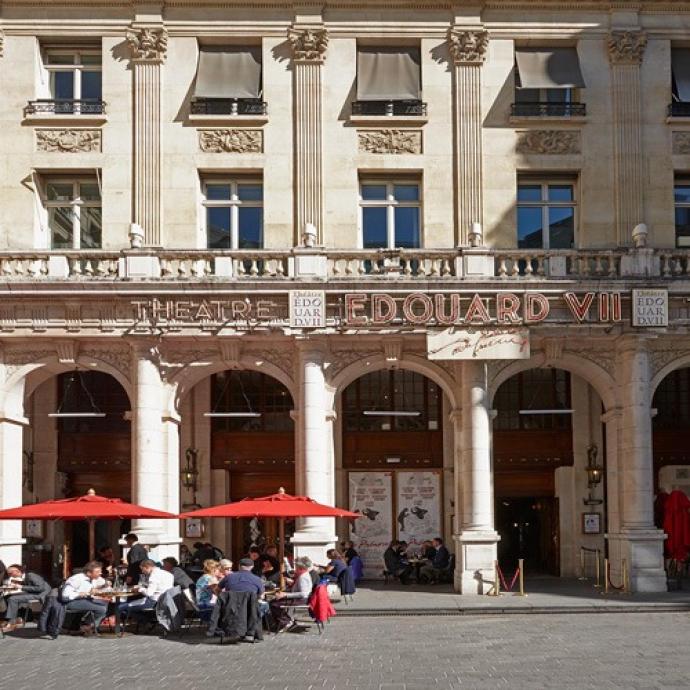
(418, 507)
(371, 495)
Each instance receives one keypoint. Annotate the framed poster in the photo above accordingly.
(418, 507)
(33, 529)
(371, 495)
(193, 528)
(591, 523)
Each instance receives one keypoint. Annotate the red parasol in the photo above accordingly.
(280, 505)
(89, 507)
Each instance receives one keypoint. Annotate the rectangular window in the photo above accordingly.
(390, 214)
(546, 213)
(233, 211)
(74, 212)
(681, 200)
(75, 80)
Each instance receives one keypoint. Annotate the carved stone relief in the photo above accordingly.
(467, 47)
(626, 47)
(549, 141)
(343, 358)
(148, 43)
(118, 358)
(231, 140)
(390, 141)
(68, 140)
(681, 142)
(308, 45)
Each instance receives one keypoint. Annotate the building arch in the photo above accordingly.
(682, 362)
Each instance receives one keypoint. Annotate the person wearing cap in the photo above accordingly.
(244, 580)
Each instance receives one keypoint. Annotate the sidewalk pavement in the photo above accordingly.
(544, 595)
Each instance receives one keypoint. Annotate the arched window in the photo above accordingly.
(672, 401)
(413, 401)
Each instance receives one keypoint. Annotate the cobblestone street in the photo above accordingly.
(603, 650)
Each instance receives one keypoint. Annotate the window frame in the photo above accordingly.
(76, 203)
(234, 203)
(545, 182)
(77, 67)
(390, 204)
(680, 180)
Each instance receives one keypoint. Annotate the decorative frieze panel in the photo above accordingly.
(68, 140)
(681, 142)
(390, 141)
(549, 141)
(231, 140)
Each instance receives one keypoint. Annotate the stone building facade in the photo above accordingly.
(372, 210)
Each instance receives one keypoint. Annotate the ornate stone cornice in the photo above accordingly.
(626, 47)
(468, 47)
(308, 45)
(2, 43)
(148, 43)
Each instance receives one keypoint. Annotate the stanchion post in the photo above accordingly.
(583, 575)
(606, 576)
(597, 584)
(624, 566)
(497, 582)
(521, 565)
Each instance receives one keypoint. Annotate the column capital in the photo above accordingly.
(467, 46)
(634, 342)
(148, 43)
(626, 47)
(308, 43)
(307, 344)
(145, 347)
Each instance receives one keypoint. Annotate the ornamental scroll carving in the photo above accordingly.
(549, 141)
(308, 45)
(467, 47)
(626, 47)
(231, 140)
(148, 43)
(68, 140)
(681, 142)
(2, 43)
(390, 141)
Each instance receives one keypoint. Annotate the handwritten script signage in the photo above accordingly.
(490, 343)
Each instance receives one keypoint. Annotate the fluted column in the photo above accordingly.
(626, 51)
(148, 46)
(467, 50)
(309, 48)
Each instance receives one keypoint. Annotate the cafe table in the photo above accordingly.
(117, 597)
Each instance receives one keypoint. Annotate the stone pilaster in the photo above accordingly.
(476, 539)
(637, 540)
(148, 46)
(314, 467)
(467, 50)
(308, 49)
(626, 51)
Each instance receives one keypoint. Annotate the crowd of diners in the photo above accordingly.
(428, 564)
(202, 574)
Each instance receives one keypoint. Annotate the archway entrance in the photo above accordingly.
(546, 431)
(392, 457)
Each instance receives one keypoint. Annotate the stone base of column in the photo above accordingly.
(313, 544)
(643, 551)
(475, 553)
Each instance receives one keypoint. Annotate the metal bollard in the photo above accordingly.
(497, 582)
(583, 575)
(624, 566)
(606, 576)
(521, 564)
(597, 584)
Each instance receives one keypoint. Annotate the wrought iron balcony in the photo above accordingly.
(228, 106)
(679, 109)
(66, 106)
(548, 109)
(414, 108)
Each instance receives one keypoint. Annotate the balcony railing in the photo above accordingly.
(679, 109)
(228, 106)
(63, 106)
(343, 265)
(548, 109)
(390, 108)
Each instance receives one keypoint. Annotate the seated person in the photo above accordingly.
(106, 558)
(336, 565)
(298, 595)
(427, 551)
(152, 583)
(80, 594)
(271, 554)
(433, 570)
(255, 554)
(347, 548)
(27, 587)
(180, 577)
(244, 580)
(224, 567)
(270, 569)
(206, 588)
(395, 564)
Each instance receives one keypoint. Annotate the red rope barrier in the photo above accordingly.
(608, 577)
(506, 588)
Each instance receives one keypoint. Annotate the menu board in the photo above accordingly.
(371, 495)
(418, 506)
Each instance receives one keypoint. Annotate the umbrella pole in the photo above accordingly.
(92, 539)
(281, 551)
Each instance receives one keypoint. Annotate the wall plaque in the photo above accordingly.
(307, 309)
(649, 308)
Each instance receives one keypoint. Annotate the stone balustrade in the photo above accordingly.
(509, 265)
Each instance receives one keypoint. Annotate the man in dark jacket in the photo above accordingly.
(395, 564)
(29, 587)
(440, 562)
(136, 554)
(180, 577)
